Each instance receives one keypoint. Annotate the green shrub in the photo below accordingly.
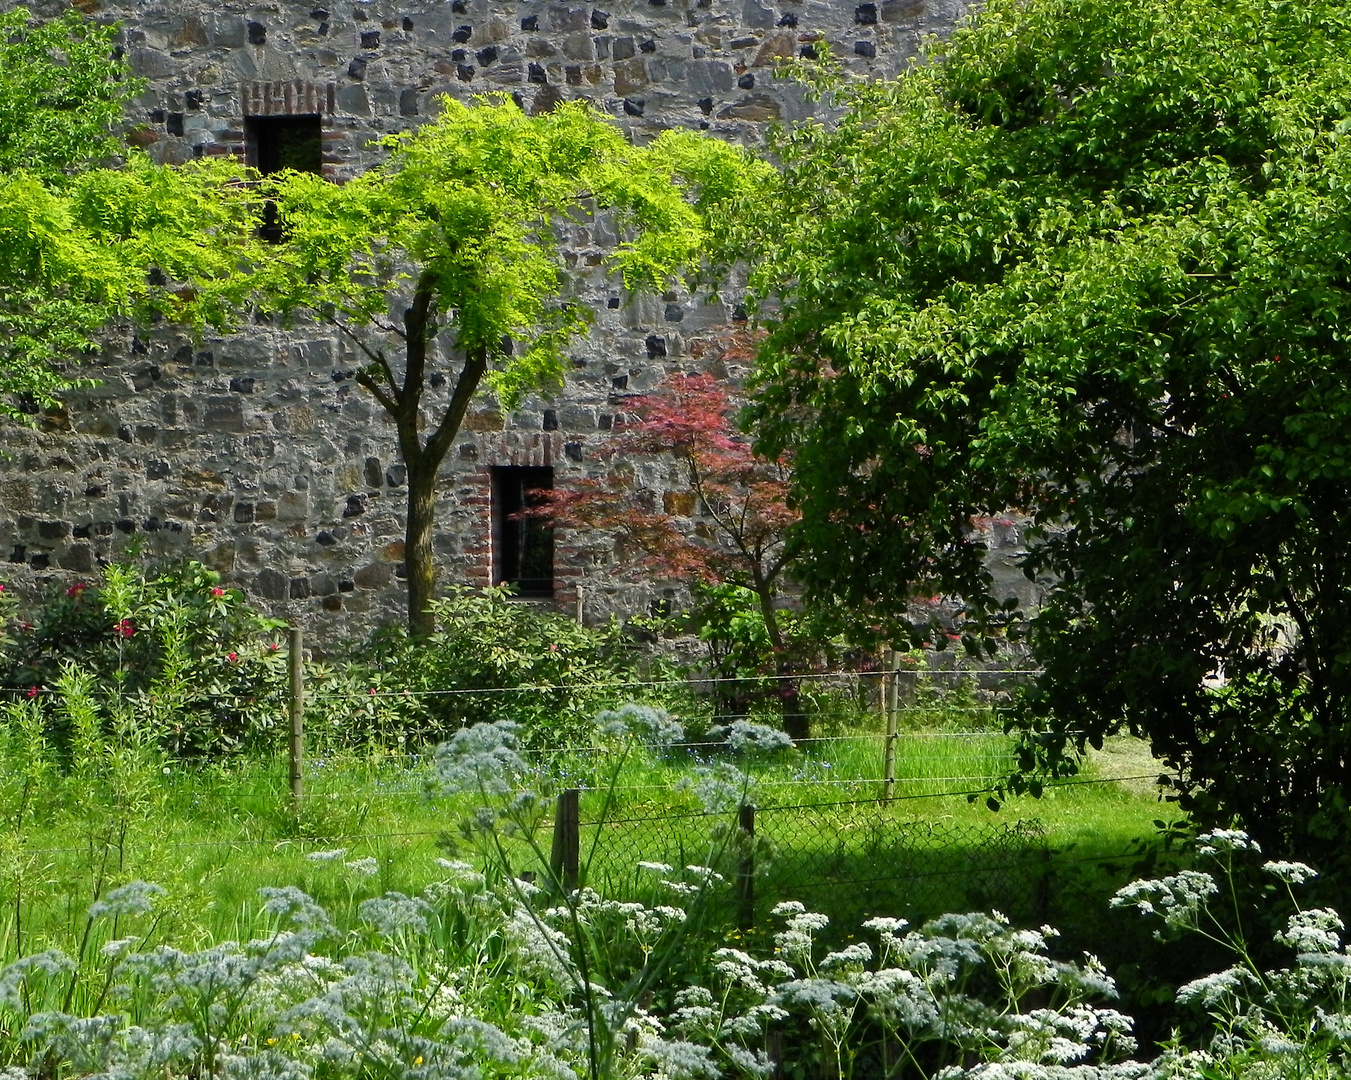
(174, 652)
(494, 658)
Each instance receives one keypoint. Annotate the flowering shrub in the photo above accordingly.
(184, 659)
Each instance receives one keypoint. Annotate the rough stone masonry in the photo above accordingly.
(257, 453)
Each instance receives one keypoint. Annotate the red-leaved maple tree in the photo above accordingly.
(727, 528)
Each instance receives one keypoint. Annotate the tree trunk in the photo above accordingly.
(796, 724)
(419, 562)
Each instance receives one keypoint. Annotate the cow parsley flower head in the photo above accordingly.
(133, 898)
(1177, 898)
(1293, 873)
(1317, 930)
(332, 855)
(366, 867)
(646, 724)
(743, 736)
(720, 787)
(482, 759)
(1224, 841)
(394, 913)
(291, 903)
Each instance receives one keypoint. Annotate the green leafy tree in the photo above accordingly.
(62, 90)
(82, 243)
(446, 254)
(1091, 262)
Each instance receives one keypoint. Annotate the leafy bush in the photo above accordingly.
(183, 657)
(492, 658)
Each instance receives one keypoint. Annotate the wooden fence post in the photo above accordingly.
(746, 874)
(891, 689)
(297, 747)
(564, 858)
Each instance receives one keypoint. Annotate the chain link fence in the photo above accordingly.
(849, 860)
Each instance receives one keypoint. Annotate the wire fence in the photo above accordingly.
(847, 826)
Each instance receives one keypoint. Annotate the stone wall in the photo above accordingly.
(256, 452)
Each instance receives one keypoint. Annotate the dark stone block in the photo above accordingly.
(332, 603)
(622, 48)
(78, 557)
(550, 420)
(573, 74)
(224, 414)
(620, 382)
(606, 422)
(102, 528)
(257, 34)
(242, 385)
(323, 585)
(356, 506)
(173, 124)
(325, 539)
(357, 68)
(346, 586)
(537, 74)
(634, 108)
(706, 105)
(205, 359)
(408, 102)
(124, 433)
(138, 347)
(600, 20)
(156, 469)
(401, 571)
(486, 56)
(373, 474)
(648, 46)
(459, 7)
(789, 20)
(464, 72)
(865, 14)
(573, 451)
(674, 313)
(746, 82)
(243, 512)
(396, 475)
(40, 561)
(95, 491)
(407, 24)
(656, 347)
(299, 588)
(612, 303)
(272, 584)
(370, 39)
(53, 530)
(462, 34)
(193, 99)
(125, 525)
(152, 525)
(19, 554)
(530, 23)
(807, 52)
(865, 48)
(80, 532)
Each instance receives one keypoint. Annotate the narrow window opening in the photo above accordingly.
(274, 143)
(523, 546)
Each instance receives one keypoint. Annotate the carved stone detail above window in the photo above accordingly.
(292, 98)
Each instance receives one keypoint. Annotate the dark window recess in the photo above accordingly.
(274, 143)
(523, 546)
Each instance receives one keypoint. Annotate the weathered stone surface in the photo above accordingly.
(246, 451)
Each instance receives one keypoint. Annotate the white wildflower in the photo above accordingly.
(364, 867)
(1295, 873)
(331, 855)
(133, 898)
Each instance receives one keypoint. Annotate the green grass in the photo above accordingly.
(212, 835)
